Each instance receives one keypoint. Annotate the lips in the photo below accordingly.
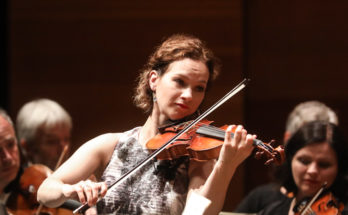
(310, 181)
(183, 106)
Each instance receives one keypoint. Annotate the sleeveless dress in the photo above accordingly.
(159, 187)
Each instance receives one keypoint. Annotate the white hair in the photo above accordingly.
(38, 113)
(307, 112)
(5, 115)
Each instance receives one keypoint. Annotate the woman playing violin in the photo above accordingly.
(171, 87)
(315, 156)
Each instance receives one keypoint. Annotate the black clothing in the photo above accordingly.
(259, 198)
(280, 207)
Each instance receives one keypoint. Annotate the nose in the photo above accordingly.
(5, 154)
(313, 168)
(187, 93)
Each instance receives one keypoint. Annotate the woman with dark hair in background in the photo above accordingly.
(315, 155)
(263, 195)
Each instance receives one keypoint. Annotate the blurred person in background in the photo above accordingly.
(263, 195)
(314, 171)
(9, 158)
(44, 131)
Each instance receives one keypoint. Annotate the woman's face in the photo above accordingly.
(180, 90)
(313, 165)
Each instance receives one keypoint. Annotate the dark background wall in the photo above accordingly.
(3, 53)
(297, 51)
(86, 55)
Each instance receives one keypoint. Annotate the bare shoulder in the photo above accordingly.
(103, 141)
(104, 144)
(93, 154)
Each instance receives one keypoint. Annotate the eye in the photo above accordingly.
(179, 81)
(11, 144)
(324, 165)
(304, 160)
(200, 88)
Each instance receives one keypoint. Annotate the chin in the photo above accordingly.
(309, 192)
(176, 117)
(180, 115)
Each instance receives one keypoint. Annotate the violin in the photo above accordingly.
(203, 142)
(324, 205)
(23, 200)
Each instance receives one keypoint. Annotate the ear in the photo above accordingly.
(23, 144)
(153, 78)
(287, 136)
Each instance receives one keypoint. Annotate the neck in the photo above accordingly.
(299, 199)
(149, 130)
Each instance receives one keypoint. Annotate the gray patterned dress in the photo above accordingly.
(160, 187)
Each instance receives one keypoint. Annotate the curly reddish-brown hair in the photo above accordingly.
(174, 48)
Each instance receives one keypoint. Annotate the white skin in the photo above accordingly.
(311, 166)
(179, 91)
(48, 144)
(9, 154)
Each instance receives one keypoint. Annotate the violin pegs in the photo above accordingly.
(271, 142)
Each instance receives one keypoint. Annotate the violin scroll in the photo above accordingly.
(274, 155)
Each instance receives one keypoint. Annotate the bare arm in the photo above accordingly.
(211, 179)
(69, 180)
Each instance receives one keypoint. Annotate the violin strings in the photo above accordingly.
(220, 133)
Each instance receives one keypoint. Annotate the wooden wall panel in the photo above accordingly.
(86, 54)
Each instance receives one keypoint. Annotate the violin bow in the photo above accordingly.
(62, 155)
(314, 199)
(225, 98)
(59, 162)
